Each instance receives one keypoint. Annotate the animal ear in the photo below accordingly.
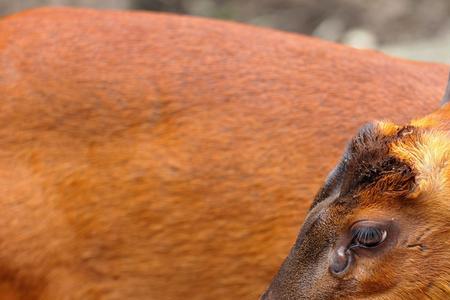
(446, 97)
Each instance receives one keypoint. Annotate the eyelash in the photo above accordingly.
(363, 236)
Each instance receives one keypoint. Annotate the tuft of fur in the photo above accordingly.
(369, 161)
(429, 155)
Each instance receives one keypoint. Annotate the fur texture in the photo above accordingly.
(152, 156)
(393, 174)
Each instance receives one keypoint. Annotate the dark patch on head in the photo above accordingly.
(367, 162)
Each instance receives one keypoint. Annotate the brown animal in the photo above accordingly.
(380, 226)
(151, 156)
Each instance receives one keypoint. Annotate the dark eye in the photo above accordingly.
(367, 236)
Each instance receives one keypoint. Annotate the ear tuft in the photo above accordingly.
(446, 97)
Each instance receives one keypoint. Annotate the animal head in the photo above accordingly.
(379, 228)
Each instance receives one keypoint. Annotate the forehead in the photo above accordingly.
(371, 166)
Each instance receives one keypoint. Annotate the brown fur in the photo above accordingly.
(389, 172)
(150, 156)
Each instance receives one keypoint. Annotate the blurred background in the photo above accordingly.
(414, 29)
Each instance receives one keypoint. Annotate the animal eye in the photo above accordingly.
(368, 236)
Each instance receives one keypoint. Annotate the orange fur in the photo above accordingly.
(151, 156)
(397, 175)
(387, 128)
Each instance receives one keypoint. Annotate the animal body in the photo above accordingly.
(153, 156)
(380, 226)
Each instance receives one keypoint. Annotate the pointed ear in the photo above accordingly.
(446, 97)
